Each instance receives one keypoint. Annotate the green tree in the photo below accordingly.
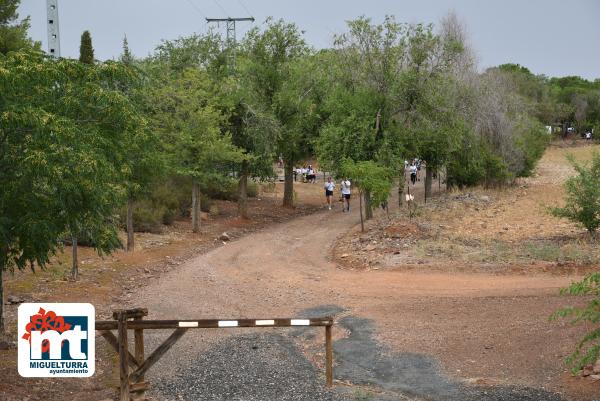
(61, 155)
(369, 177)
(184, 110)
(13, 33)
(360, 123)
(86, 51)
(254, 131)
(126, 57)
(144, 154)
(582, 203)
(271, 55)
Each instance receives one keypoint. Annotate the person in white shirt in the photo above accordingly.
(311, 175)
(346, 194)
(329, 187)
(413, 173)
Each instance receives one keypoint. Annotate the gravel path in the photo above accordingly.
(246, 368)
(270, 367)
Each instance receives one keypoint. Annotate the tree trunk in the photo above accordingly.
(75, 266)
(1, 294)
(130, 235)
(360, 207)
(243, 191)
(428, 182)
(368, 206)
(195, 207)
(288, 184)
(401, 183)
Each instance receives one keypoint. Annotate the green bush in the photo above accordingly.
(587, 350)
(464, 166)
(476, 164)
(167, 201)
(532, 144)
(147, 217)
(582, 203)
(223, 189)
(496, 173)
(252, 189)
(205, 203)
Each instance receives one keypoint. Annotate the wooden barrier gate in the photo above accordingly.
(132, 319)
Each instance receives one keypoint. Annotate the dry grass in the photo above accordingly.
(492, 229)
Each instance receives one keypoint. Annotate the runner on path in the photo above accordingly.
(346, 195)
(413, 173)
(329, 187)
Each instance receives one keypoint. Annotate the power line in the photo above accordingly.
(221, 7)
(244, 7)
(196, 8)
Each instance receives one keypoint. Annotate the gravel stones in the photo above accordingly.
(248, 368)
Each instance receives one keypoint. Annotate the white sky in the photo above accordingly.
(552, 37)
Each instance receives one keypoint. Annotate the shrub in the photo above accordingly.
(587, 350)
(223, 189)
(582, 203)
(147, 217)
(532, 144)
(168, 200)
(477, 166)
(495, 170)
(268, 187)
(252, 189)
(205, 203)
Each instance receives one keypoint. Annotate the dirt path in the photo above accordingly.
(490, 329)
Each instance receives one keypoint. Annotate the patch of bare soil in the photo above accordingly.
(111, 281)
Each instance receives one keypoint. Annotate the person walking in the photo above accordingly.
(311, 175)
(413, 173)
(329, 187)
(346, 194)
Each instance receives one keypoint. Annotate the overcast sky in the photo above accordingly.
(552, 37)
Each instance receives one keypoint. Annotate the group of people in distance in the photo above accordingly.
(345, 193)
(306, 174)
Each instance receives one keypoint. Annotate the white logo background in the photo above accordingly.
(56, 367)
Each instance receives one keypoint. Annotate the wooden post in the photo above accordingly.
(123, 356)
(139, 354)
(75, 265)
(328, 356)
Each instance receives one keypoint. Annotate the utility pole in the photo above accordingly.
(231, 38)
(53, 32)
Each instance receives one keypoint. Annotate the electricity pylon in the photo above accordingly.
(231, 38)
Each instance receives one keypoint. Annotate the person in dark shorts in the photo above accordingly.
(311, 176)
(413, 173)
(346, 194)
(329, 187)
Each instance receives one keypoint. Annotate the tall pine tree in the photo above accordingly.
(86, 51)
(86, 56)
